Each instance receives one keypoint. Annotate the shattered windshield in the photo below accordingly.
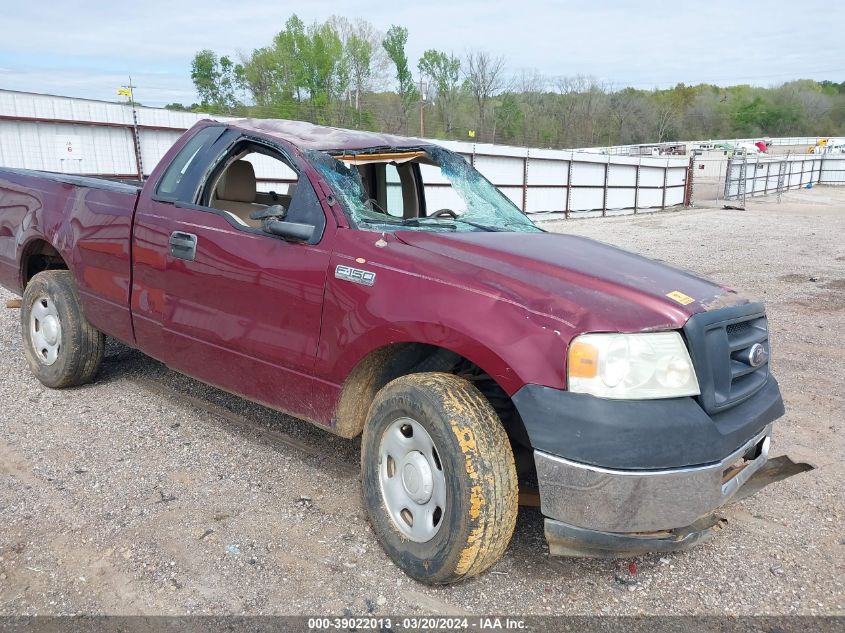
(380, 192)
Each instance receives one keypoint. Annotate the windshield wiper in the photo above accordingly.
(483, 227)
(434, 222)
(388, 220)
(439, 222)
(427, 221)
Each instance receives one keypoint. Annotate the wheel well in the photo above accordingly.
(38, 257)
(387, 363)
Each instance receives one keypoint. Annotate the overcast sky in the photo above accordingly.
(87, 50)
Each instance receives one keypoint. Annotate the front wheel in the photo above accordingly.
(62, 348)
(438, 476)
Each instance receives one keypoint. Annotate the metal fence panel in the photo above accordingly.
(540, 197)
(748, 176)
(832, 170)
(544, 171)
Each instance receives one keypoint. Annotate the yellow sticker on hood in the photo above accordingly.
(680, 297)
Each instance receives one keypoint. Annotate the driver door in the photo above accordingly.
(242, 308)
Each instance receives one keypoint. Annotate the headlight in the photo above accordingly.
(633, 366)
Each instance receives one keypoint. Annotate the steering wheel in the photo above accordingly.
(444, 213)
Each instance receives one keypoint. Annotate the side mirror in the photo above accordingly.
(290, 230)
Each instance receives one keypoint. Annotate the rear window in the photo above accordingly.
(168, 186)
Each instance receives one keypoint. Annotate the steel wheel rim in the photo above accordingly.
(413, 485)
(45, 330)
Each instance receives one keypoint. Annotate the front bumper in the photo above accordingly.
(598, 512)
(569, 540)
(621, 501)
(626, 476)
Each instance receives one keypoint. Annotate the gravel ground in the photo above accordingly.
(150, 493)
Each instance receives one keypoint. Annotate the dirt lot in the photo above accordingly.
(148, 492)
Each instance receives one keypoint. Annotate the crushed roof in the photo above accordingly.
(322, 137)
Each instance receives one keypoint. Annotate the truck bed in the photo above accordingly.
(50, 220)
(89, 182)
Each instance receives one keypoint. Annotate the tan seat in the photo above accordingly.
(236, 193)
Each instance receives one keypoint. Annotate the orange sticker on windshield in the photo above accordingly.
(680, 297)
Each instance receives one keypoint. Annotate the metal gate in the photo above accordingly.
(747, 176)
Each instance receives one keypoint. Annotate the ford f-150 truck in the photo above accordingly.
(378, 285)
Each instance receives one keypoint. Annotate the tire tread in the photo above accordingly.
(490, 463)
(87, 343)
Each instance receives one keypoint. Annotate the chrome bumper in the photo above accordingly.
(630, 501)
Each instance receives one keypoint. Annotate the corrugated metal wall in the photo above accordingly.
(81, 136)
(34, 128)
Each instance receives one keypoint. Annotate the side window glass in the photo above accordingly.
(168, 186)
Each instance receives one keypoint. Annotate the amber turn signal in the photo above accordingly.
(583, 360)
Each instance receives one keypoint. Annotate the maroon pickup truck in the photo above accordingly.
(379, 286)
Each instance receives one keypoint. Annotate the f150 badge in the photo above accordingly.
(355, 275)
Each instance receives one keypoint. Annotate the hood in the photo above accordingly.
(589, 285)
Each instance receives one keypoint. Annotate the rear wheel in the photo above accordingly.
(438, 477)
(62, 348)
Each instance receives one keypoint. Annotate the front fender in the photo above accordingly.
(514, 346)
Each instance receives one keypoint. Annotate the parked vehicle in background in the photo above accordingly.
(828, 146)
(477, 355)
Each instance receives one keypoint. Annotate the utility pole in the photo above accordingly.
(136, 137)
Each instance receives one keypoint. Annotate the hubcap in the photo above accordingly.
(45, 330)
(417, 477)
(413, 485)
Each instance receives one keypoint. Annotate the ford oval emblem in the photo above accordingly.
(757, 355)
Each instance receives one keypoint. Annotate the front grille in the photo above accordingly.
(737, 328)
(720, 344)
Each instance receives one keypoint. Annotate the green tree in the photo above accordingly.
(304, 73)
(325, 73)
(266, 75)
(347, 73)
(359, 52)
(215, 80)
(509, 119)
(665, 113)
(832, 88)
(444, 72)
(394, 43)
(360, 41)
(762, 116)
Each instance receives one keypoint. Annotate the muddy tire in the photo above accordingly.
(438, 477)
(61, 347)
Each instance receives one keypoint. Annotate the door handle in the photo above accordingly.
(183, 245)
